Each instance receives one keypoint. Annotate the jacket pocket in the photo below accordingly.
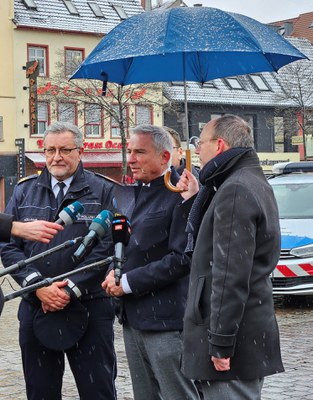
(198, 303)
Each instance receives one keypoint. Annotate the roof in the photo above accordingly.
(170, 4)
(301, 26)
(222, 94)
(89, 159)
(53, 14)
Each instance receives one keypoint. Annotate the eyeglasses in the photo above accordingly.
(63, 152)
(198, 143)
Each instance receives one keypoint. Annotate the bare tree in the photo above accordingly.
(297, 82)
(110, 101)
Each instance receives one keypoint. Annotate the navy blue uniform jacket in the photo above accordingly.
(157, 268)
(33, 199)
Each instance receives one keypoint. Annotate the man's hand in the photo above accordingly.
(221, 364)
(110, 287)
(41, 231)
(53, 298)
(188, 185)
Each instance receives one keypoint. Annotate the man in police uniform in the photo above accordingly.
(92, 358)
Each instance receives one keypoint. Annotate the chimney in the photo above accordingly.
(146, 5)
(288, 28)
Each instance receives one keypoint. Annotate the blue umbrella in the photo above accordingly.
(186, 44)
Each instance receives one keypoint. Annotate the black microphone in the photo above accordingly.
(97, 230)
(121, 230)
(70, 213)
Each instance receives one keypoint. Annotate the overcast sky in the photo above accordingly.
(262, 10)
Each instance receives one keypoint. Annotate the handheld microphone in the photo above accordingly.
(97, 230)
(70, 213)
(121, 230)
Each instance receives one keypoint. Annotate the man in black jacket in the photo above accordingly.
(92, 357)
(231, 338)
(154, 284)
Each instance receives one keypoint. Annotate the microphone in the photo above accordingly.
(22, 263)
(97, 230)
(70, 213)
(121, 230)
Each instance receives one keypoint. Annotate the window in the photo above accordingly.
(71, 8)
(250, 121)
(214, 116)
(30, 4)
(279, 134)
(40, 54)
(95, 9)
(143, 115)
(115, 129)
(259, 83)
(93, 120)
(73, 58)
(120, 11)
(42, 117)
(67, 112)
(234, 83)
(209, 84)
(178, 83)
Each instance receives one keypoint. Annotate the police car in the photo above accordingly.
(293, 187)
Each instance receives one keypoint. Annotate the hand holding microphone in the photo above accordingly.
(97, 230)
(44, 231)
(66, 217)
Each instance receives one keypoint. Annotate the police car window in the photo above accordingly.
(294, 200)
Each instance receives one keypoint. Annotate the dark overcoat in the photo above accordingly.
(230, 309)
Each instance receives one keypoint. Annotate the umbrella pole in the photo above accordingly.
(188, 153)
(167, 176)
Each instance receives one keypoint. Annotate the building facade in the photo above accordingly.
(43, 43)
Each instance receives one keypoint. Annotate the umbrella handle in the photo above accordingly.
(167, 176)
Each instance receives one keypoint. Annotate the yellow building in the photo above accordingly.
(59, 34)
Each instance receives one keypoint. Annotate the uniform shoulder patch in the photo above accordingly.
(27, 178)
(107, 178)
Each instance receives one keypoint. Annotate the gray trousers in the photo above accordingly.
(154, 363)
(232, 390)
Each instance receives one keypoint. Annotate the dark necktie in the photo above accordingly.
(60, 194)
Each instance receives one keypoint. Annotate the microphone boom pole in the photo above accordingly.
(23, 263)
(48, 281)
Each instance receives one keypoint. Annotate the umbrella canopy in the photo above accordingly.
(186, 44)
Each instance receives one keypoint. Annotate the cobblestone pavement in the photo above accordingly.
(297, 350)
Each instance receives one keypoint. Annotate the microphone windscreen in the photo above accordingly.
(121, 229)
(71, 213)
(102, 223)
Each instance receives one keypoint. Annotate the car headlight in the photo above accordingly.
(303, 251)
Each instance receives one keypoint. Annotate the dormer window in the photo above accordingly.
(234, 83)
(259, 82)
(30, 4)
(95, 9)
(120, 11)
(71, 8)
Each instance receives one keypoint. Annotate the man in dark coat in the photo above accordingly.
(90, 349)
(231, 338)
(154, 284)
